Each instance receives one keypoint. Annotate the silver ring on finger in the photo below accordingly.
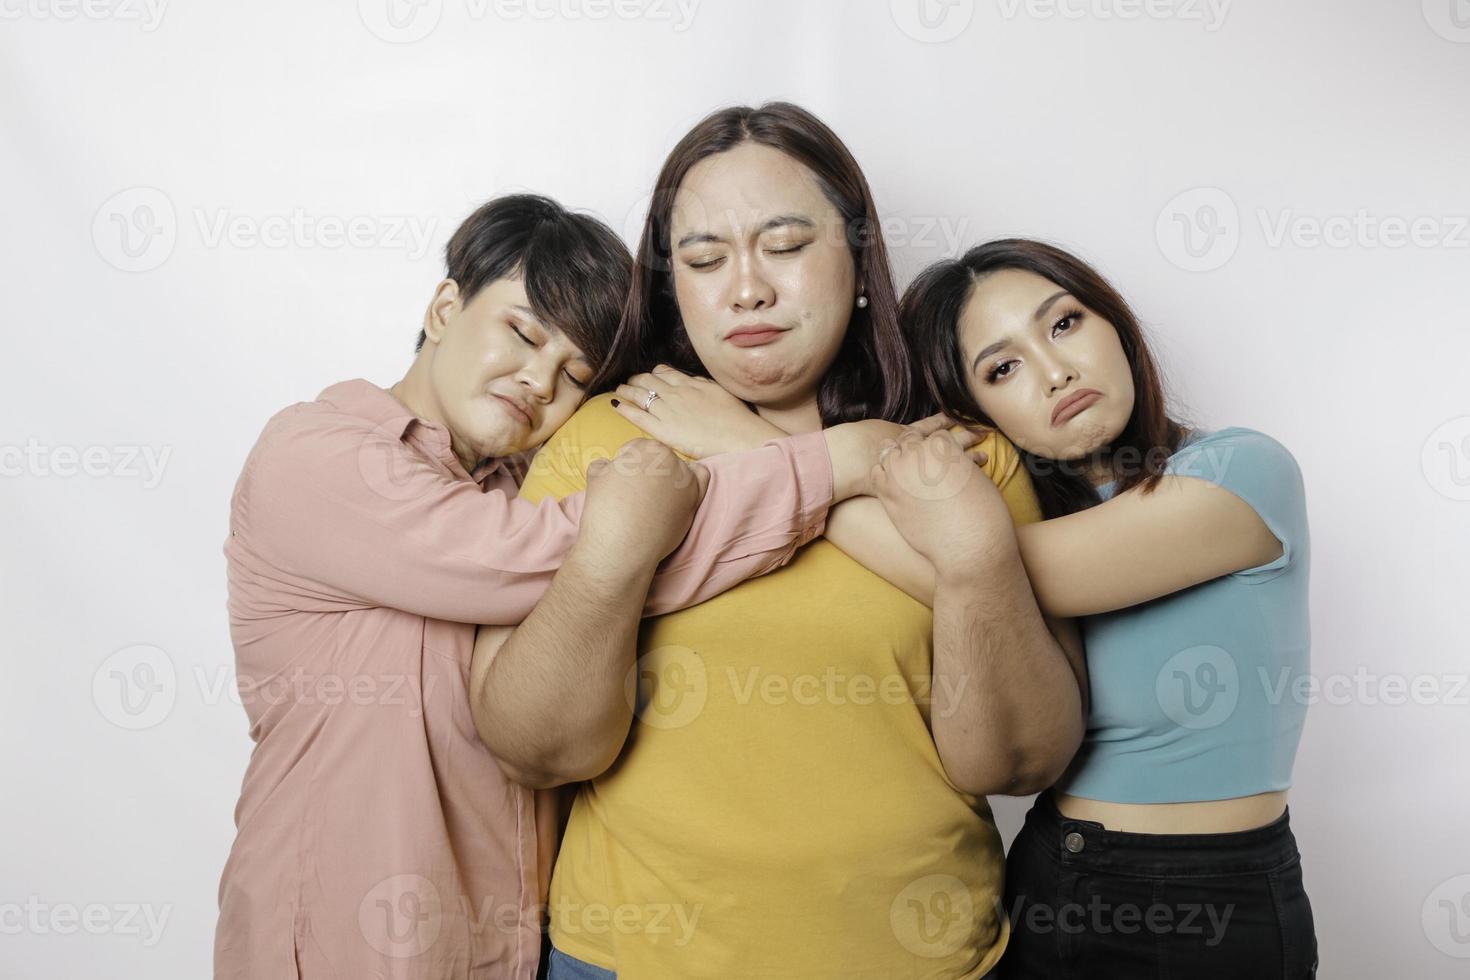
(648, 402)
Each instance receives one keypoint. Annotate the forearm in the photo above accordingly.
(862, 529)
(1007, 708)
(759, 508)
(550, 703)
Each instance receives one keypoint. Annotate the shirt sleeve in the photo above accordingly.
(1005, 470)
(340, 515)
(1263, 473)
(760, 506)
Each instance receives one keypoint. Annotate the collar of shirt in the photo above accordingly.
(367, 400)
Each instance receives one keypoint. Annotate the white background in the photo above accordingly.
(149, 155)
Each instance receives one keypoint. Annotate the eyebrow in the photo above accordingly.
(779, 221)
(1004, 342)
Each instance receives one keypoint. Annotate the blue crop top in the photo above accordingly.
(1195, 694)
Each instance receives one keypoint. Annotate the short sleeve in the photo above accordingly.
(559, 468)
(1005, 470)
(1263, 473)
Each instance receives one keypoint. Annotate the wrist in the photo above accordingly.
(853, 447)
(969, 563)
(611, 568)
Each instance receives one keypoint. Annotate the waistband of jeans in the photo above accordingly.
(1260, 849)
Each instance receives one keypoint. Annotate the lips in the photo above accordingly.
(516, 409)
(1074, 403)
(755, 335)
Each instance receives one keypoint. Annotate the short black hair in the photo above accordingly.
(575, 268)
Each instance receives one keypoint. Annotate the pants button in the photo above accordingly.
(1074, 842)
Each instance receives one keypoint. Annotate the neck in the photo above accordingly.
(797, 416)
(1098, 473)
(417, 396)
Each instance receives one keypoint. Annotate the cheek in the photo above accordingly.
(698, 301)
(553, 417)
(1007, 406)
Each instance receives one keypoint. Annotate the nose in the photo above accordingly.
(1057, 372)
(538, 376)
(752, 290)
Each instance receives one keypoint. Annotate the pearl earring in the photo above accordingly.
(862, 302)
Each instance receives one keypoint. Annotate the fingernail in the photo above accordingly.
(615, 403)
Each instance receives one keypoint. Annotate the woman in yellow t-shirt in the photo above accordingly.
(802, 791)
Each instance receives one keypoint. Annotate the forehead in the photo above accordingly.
(1002, 303)
(510, 291)
(508, 295)
(736, 190)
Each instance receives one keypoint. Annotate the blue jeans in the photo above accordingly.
(564, 967)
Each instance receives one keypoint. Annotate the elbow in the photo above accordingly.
(574, 758)
(1021, 771)
(1015, 778)
(551, 770)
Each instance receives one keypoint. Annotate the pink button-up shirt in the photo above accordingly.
(377, 837)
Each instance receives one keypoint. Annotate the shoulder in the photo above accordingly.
(1004, 467)
(1004, 460)
(595, 431)
(1216, 455)
(307, 431)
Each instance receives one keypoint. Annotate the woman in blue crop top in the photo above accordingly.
(1164, 850)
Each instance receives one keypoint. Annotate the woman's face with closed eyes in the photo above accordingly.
(1049, 372)
(763, 274)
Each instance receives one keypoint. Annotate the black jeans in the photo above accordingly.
(1087, 903)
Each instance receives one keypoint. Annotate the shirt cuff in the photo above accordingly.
(812, 462)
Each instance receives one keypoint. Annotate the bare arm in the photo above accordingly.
(548, 696)
(1137, 547)
(1009, 702)
(1120, 553)
(1009, 685)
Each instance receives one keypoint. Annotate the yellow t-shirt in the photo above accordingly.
(779, 809)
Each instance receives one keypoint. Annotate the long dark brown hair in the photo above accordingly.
(931, 310)
(872, 375)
